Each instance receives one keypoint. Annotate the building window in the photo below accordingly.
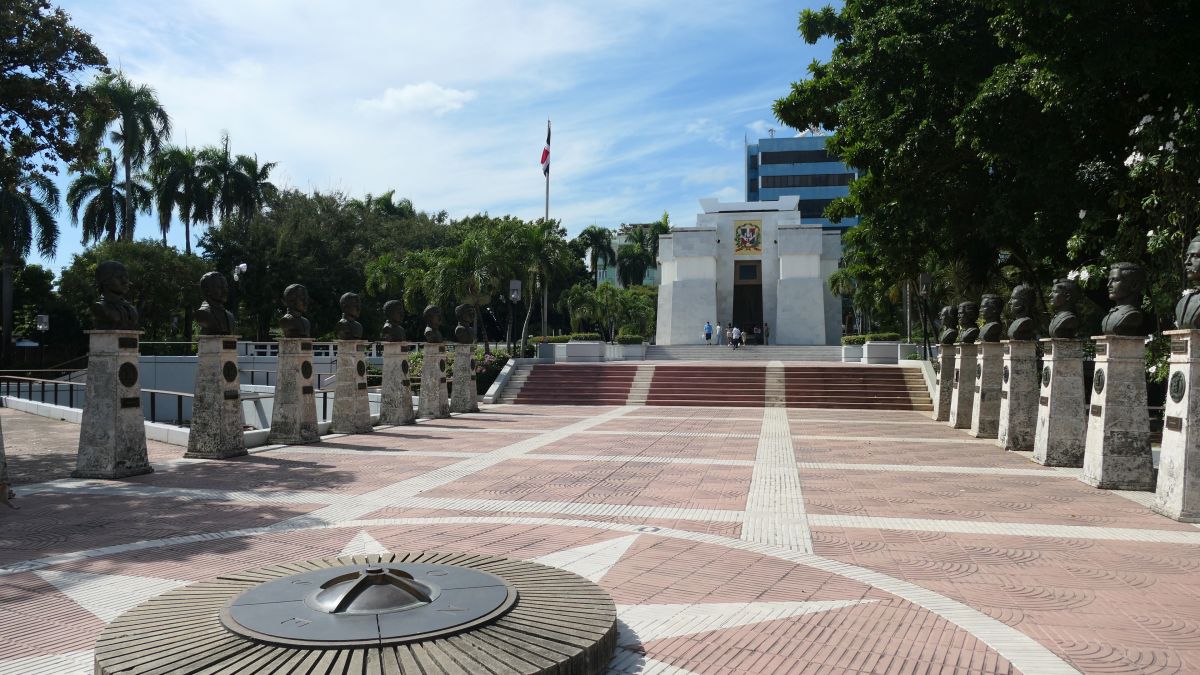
(813, 208)
(747, 272)
(815, 180)
(796, 157)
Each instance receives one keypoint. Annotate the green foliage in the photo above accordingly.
(163, 281)
(630, 339)
(42, 61)
(98, 192)
(870, 337)
(585, 337)
(851, 340)
(552, 339)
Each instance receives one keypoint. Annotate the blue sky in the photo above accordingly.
(447, 102)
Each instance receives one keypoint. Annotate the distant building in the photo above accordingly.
(752, 263)
(798, 167)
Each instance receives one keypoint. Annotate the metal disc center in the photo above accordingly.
(379, 604)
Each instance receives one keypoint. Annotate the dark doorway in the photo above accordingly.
(747, 295)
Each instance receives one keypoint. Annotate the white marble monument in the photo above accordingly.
(1117, 451)
(217, 421)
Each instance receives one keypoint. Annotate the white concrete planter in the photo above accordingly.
(907, 348)
(616, 352)
(852, 353)
(880, 352)
(584, 351)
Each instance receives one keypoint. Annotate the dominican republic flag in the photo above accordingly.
(546, 152)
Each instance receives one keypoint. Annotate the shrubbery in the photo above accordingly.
(630, 339)
(870, 337)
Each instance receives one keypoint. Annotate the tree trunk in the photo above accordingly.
(6, 277)
(508, 336)
(130, 204)
(525, 327)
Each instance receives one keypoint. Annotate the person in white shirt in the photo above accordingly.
(720, 335)
(737, 337)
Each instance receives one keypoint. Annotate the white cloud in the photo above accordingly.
(760, 128)
(423, 97)
(711, 131)
(719, 173)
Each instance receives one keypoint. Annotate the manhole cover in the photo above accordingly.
(373, 613)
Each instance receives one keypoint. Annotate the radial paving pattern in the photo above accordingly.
(743, 540)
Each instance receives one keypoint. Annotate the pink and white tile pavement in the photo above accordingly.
(747, 541)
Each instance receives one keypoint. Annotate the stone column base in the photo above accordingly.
(963, 397)
(294, 412)
(112, 435)
(945, 385)
(1018, 396)
(985, 404)
(1117, 454)
(464, 398)
(1061, 419)
(395, 405)
(434, 401)
(217, 419)
(351, 406)
(1178, 492)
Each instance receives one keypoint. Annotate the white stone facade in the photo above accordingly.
(697, 266)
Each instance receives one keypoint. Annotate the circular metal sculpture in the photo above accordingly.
(1178, 386)
(1046, 376)
(456, 612)
(127, 374)
(229, 371)
(1005, 372)
(306, 369)
(1098, 381)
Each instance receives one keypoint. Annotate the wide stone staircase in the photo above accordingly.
(752, 385)
(748, 353)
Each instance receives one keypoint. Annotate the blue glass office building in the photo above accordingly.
(799, 166)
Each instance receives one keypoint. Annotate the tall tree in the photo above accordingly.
(258, 189)
(179, 189)
(598, 242)
(635, 257)
(42, 58)
(139, 126)
(98, 187)
(27, 219)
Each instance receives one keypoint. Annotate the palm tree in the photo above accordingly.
(141, 125)
(598, 242)
(547, 256)
(27, 217)
(634, 257)
(662, 226)
(579, 304)
(98, 187)
(178, 187)
(225, 183)
(257, 186)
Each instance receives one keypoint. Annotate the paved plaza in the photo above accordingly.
(743, 540)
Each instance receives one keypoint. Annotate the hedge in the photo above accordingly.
(585, 337)
(870, 337)
(630, 339)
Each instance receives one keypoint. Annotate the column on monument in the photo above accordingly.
(351, 405)
(945, 384)
(434, 400)
(688, 288)
(294, 410)
(395, 402)
(112, 436)
(1178, 492)
(217, 418)
(464, 397)
(1018, 396)
(1117, 454)
(801, 291)
(1062, 413)
(985, 406)
(963, 397)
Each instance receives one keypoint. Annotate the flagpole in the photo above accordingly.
(546, 282)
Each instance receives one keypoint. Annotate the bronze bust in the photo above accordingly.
(392, 330)
(1020, 304)
(348, 328)
(1187, 310)
(1126, 281)
(463, 332)
(990, 305)
(212, 316)
(949, 318)
(433, 322)
(1063, 296)
(293, 324)
(968, 320)
(113, 311)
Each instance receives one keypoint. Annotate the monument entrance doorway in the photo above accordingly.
(747, 294)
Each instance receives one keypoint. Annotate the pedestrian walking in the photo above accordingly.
(708, 333)
(737, 337)
(720, 335)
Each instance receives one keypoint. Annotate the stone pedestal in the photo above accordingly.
(465, 397)
(1178, 493)
(963, 397)
(294, 413)
(1018, 396)
(351, 407)
(989, 375)
(1062, 415)
(217, 418)
(112, 437)
(945, 385)
(1117, 455)
(434, 402)
(395, 406)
